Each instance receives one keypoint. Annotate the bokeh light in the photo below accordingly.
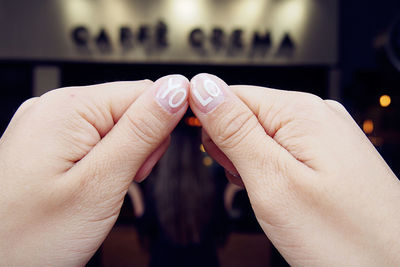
(385, 101)
(368, 126)
(202, 148)
(207, 161)
(193, 121)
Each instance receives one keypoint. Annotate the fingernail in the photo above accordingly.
(172, 92)
(234, 174)
(207, 92)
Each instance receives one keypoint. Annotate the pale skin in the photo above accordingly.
(320, 190)
(67, 160)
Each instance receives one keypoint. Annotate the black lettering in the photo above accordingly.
(103, 41)
(287, 42)
(286, 47)
(217, 38)
(81, 35)
(102, 38)
(196, 38)
(126, 37)
(236, 39)
(261, 41)
(144, 33)
(161, 34)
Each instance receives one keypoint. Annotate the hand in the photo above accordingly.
(320, 190)
(67, 160)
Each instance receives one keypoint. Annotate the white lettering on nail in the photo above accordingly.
(211, 88)
(171, 86)
(203, 102)
(177, 90)
(180, 101)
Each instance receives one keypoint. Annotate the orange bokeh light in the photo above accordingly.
(368, 126)
(193, 121)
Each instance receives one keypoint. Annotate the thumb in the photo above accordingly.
(236, 131)
(140, 131)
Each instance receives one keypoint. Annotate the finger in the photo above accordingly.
(236, 131)
(21, 111)
(339, 109)
(273, 107)
(212, 149)
(216, 153)
(297, 121)
(234, 178)
(151, 161)
(138, 133)
(102, 105)
(106, 103)
(78, 118)
(137, 199)
(229, 195)
(25, 107)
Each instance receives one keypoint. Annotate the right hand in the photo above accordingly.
(320, 190)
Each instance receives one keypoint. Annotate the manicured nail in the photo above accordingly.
(172, 92)
(207, 92)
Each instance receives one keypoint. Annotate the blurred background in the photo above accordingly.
(344, 50)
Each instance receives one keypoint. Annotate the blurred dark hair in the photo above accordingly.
(181, 194)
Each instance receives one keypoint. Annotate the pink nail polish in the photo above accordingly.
(207, 92)
(172, 93)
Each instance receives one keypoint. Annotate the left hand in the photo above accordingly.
(67, 160)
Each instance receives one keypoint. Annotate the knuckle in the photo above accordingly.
(307, 106)
(310, 101)
(231, 132)
(62, 92)
(27, 104)
(65, 98)
(335, 105)
(25, 109)
(147, 82)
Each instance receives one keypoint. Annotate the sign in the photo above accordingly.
(262, 32)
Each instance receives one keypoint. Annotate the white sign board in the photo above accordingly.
(263, 32)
